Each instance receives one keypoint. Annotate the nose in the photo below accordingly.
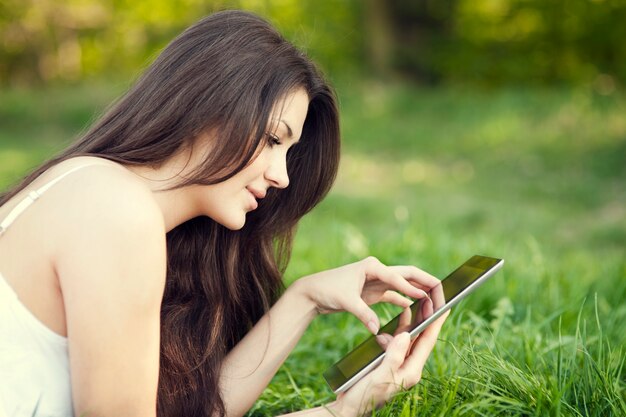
(276, 172)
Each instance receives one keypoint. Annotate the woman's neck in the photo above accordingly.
(178, 205)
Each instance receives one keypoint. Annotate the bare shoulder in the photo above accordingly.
(104, 191)
(104, 197)
(107, 220)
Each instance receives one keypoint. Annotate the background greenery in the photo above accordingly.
(486, 42)
(470, 146)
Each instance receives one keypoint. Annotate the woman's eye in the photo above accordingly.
(273, 139)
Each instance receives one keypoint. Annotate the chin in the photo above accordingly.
(230, 218)
(234, 227)
(233, 223)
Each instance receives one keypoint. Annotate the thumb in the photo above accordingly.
(364, 313)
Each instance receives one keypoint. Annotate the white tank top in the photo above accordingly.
(34, 360)
(34, 363)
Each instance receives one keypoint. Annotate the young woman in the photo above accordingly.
(141, 267)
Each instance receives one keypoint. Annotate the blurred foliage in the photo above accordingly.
(468, 41)
(46, 40)
(504, 41)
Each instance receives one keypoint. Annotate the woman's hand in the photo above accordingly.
(401, 369)
(356, 286)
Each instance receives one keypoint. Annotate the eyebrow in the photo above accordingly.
(289, 131)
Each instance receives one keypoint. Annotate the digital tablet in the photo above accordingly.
(414, 319)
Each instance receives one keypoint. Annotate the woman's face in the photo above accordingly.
(228, 202)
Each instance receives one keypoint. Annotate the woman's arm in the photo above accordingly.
(110, 259)
(250, 366)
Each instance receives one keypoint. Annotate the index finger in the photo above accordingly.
(416, 276)
(389, 276)
(438, 296)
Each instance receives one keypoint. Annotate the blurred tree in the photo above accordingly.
(423, 36)
(504, 41)
(379, 36)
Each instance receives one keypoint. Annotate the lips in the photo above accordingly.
(255, 195)
(258, 194)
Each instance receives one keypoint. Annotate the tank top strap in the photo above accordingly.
(34, 196)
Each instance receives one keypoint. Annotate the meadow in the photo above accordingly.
(430, 177)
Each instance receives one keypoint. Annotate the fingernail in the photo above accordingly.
(423, 293)
(382, 340)
(371, 325)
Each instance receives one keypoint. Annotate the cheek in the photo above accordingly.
(258, 166)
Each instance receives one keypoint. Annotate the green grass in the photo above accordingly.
(431, 177)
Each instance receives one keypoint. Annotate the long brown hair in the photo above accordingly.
(225, 74)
